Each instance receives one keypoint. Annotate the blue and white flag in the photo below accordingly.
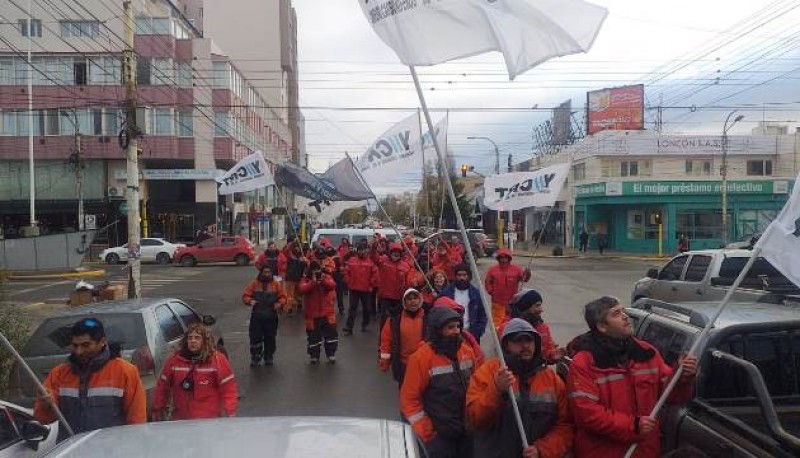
(518, 190)
(780, 242)
(247, 175)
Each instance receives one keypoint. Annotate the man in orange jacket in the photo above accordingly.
(392, 277)
(502, 283)
(318, 290)
(360, 276)
(401, 335)
(434, 391)
(95, 388)
(541, 397)
(266, 298)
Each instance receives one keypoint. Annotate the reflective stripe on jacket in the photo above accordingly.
(543, 407)
(108, 392)
(214, 390)
(434, 391)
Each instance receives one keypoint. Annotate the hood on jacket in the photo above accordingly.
(520, 326)
(503, 252)
(410, 291)
(445, 301)
(396, 246)
(524, 300)
(439, 316)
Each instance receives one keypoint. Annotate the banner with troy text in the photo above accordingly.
(518, 190)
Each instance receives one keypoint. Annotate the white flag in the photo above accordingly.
(248, 174)
(780, 243)
(527, 32)
(514, 191)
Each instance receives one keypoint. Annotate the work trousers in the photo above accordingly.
(363, 298)
(322, 332)
(263, 331)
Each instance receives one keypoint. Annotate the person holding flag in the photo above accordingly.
(502, 283)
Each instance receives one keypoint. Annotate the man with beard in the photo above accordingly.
(469, 297)
(392, 275)
(360, 276)
(527, 305)
(615, 381)
(401, 335)
(541, 397)
(434, 391)
(266, 298)
(269, 258)
(95, 388)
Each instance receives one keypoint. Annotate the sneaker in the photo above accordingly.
(314, 361)
(347, 331)
(268, 361)
(331, 359)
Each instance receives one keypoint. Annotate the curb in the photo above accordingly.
(609, 257)
(64, 275)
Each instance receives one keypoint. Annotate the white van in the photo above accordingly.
(354, 236)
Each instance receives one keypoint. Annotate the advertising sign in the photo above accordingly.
(518, 190)
(681, 188)
(620, 108)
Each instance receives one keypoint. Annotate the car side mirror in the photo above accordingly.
(209, 320)
(652, 273)
(199, 246)
(34, 433)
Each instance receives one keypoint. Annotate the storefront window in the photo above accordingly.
(752, 222)
(700, 224)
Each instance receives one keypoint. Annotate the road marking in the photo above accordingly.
(37, 288)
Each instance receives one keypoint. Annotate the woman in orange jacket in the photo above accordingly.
(401, 335)
(541, 396)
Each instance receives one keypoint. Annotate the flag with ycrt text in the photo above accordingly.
(527, 32)
(780, 242)
(247, 175)
(518, 190)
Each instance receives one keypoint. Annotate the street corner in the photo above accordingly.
(55, 274)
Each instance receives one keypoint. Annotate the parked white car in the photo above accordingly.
(23, 437)
(152, 249)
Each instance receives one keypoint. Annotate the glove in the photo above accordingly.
(384, 365)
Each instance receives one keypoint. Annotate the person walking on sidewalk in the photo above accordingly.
(602, 242)
(502, 283)
(266, 298)
(318, 290)
(197, 379)
(583, 238)
(401, 335)
(360, 276)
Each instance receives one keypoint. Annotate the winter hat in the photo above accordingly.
(503, 252)
(410, 291)
(517, 326)
(463, 268)
(438, 317)
(524, 300)
(445, 301)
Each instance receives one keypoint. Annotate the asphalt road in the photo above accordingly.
(353, 386)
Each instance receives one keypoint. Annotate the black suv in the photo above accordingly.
(747, 401)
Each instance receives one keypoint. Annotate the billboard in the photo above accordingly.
(562, 124)
(620, 108)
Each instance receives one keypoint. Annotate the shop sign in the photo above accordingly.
(591, 190)
(698, 145)
(681, 188)
(173, 174)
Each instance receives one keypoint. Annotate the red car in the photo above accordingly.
(217, 249)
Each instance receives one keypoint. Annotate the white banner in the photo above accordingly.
(518, 190)
(398, 151)
(527, 32)
(247, 175)
(780, 243)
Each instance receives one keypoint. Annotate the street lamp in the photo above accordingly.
(724, 172)
(496, 171)
(78, 165)
(496, 152)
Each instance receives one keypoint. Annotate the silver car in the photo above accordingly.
(148, 331)
(276, 437)
(21, 436)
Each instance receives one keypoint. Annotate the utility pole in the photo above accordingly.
(724, 172)
(132, 154)
(33, 229)
(79, 176)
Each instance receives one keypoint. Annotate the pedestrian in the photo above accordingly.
(360, 276)
(469, 338)
(338, 277)
(198, 379)
(433, 394)
(602, 242)
(527, 304)
(95, 388)
(614, 382)
(392, 275)
(540, 394)
(584, 240)
(318, 290)
(266, 299)
(401, 335)
(269, 257)
(502, 283)
(291, 268)
(469, 297)
(683, 244)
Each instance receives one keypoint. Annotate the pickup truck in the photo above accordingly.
(747, 394)
(706, 275)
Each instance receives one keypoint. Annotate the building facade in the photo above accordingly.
(197, 112)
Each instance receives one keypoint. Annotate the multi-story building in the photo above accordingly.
(197, 111)
(643, 189)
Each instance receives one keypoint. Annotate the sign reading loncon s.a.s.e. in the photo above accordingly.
(514, 191)
(248, 174)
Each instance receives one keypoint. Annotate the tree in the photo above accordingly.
(353, 216)
(433, 200)
(14, 325)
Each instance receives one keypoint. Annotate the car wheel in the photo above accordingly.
(188, 261)
(163, 258)
(112, 258)
(241, 260)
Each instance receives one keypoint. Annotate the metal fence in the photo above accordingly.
(48, 252)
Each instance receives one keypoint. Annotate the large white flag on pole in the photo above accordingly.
(780, 242)
(527, 32)
(518, 190)
(247, 175)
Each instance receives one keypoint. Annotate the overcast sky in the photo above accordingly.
(678, 48)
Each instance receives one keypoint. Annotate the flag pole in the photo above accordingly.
(701, 337)
(473, 265)
(391, 223)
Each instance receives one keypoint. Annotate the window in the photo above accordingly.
(81, 29)
(35, 29)
(111, 126)
(9, 123)
(143, 71)
(222, 75)
(187, 315)
(185, 122)
(707, 168)
(579, 172)
(161, 26)
(163, 121)
(668, 341)
(170, 326)
(52, 122)
(97, 122)
(80, 72)
(701, 224)
(698, 168)
(674, 269)
(697, 269)
(759, 168)
(228, 241)
(151, 242)
(222, 123)
(762, 275)
(7, 71)
(8, 430)
(162, 72)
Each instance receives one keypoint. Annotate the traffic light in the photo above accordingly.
(464, 169)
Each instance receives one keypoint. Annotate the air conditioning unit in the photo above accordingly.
(116, 192)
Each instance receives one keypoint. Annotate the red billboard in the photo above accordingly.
(620, 108)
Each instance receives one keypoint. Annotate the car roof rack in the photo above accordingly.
(695, 318)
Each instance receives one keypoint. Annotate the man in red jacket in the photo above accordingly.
(392, 275)
(360, 276)
(318, 290)
(502, 283)
(615, 381)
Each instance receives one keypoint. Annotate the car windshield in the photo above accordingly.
(53, 336)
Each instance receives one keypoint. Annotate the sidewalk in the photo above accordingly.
(81, 272)
(546, 251)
